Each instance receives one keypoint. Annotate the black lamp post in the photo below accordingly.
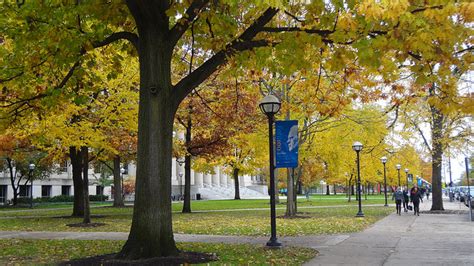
(406, 173)
(180, 184)
(357, 147)
(384, 161)
(31, 167)
(180, 181)
(270, 105)
(398, 170)
(122, 171)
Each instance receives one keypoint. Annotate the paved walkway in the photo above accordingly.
(428, 239)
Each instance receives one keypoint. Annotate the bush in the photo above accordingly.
(23, 200)
(61, 198)
(98, 197)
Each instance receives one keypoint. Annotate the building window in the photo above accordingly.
(66, 190)
(45, 191)
(3, 194)
(64, 166)
(99, 190)
(25, 190)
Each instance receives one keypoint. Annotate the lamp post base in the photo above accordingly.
(360, 214)
(273, 243)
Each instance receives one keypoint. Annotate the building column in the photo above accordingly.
(230, 181)
(223, 178)
(198, 179)
(215, 177)
(207, 179)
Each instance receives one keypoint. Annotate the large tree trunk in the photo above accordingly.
(118, 189)
(334, 186)
(76, 162)
(290, 200)
(151, 233)
(187, 184)
(187, 166)
(85, 172)
(437, 158)
(235, 174)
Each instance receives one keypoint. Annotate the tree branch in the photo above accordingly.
(426, 8)
(422, 135)
(323, 33)
(470, 48)
(417, 57)
(121, 35)
(294, 17)
(107, 165)
(241, 43)
(183, 23)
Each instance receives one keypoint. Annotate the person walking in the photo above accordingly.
(406, 199)
(415, 197)
(398, 196)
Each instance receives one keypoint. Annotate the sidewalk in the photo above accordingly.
(428, 239)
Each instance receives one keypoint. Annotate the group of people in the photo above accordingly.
(415, 197)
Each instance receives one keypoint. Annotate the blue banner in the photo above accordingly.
(286, 144)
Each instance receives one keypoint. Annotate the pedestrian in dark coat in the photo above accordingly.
(416, 197)
(398, 196)
(406, 199)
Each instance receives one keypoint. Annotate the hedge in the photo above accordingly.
(60, 198)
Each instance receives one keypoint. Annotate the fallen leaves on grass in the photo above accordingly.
(15, 251)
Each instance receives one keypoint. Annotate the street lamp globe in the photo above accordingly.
(399, 166)
(270, 105)
(31, 166)
(406, 170)
(122, 170)
(357, 146)
(383, 159)
(180, 161)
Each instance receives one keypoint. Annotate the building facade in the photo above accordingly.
(216, 185)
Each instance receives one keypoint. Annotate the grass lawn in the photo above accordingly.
(50, 209)
(20, 252)
(248, 223)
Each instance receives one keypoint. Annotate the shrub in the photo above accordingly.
(61, 198)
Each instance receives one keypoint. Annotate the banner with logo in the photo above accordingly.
(286, 144)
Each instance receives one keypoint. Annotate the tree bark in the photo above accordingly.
(327, 190)
(235, 174)
(76, 162)
(436, 157)
(151, 233)
(290, 190)
(335, 193)
(85, 172)
(118, 189)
